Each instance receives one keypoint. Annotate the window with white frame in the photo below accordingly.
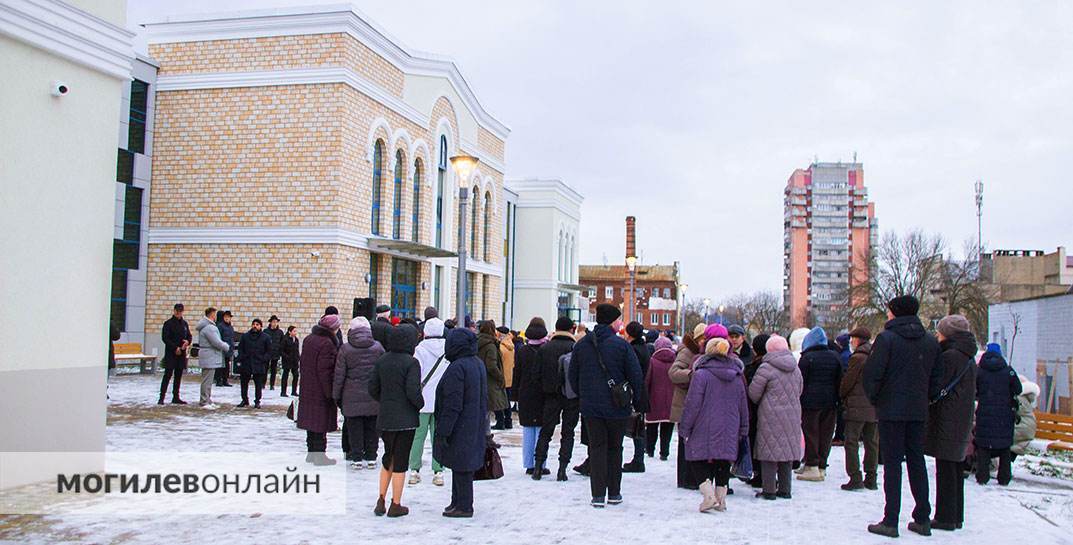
(666, 318)
(609, 292)
(666, 293)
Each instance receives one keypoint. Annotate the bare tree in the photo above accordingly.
(963, 290)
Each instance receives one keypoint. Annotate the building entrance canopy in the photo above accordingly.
(408, 247)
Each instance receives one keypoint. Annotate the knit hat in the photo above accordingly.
(715, 330)
(360, 322)
(736, 330)
(760, 344)
(816, 337)
(717, 347)
(564, 323)
(274, 318)
(395, 320)
(777, 343)
(503, 329)
(651, 335)
(607, 313)
(431, 312)
(904, 305)
(330, 322)
(635, 330)
(330, 309)
(536, 330)
(698, 330)
(843, 341)
(862, 333)
(380, 309)
(953, 324)
(994, 347)
(663, 342)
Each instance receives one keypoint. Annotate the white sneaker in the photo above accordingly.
(356, 465)
(437, 478)
(371, 464)
(209, 407)
(415, 477)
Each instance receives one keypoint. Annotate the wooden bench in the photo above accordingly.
(130, 354)
(1057, 428)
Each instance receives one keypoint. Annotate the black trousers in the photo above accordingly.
(605, 455)
(221, 373)
(294, 383)
(819, 429)
(568, 411)
(949, 492)
(361, 437)
(316, 442)
(462, 490)
(640, 443)
(258, 385)
(273, 367)
(903, 441)
(716, 470)
(840, 426)
(662, 431)
(686, 479)
(173, 374)
(983, 465)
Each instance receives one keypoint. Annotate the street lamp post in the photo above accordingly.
(707, 302)
(631, 264)
(722, 308)
(463, 166)
(681, 309)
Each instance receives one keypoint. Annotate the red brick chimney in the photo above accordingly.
(631, 245)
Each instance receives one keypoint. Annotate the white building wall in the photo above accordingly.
(1043, 349)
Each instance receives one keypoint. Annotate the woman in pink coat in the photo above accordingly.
(660, 395)
(776, 389)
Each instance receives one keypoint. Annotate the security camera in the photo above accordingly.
(60, 89)
(314, 254)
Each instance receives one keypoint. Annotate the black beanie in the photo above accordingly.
(564, 324)
(904, 305)
(635, 330)
(651, 335)
(607, 313)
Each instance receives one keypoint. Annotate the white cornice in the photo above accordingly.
(70, 33)
(560, 188)
(311, 76)
(291, 235)
(321, 20)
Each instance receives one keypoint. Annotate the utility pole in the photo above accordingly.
(979, 217)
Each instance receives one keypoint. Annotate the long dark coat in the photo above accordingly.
(173, 333)
(316, 407)
(461, 405)
(997, 388)
(254, 352)
(488, 351)
(903, 373)
(527, 385)
(821, 370)
(950, 420)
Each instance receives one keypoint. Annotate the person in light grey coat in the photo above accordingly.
(211, 350)
(350, 388)
(776, 389)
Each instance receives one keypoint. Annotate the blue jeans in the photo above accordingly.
(530, 434)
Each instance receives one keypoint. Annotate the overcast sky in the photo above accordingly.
(692, 115)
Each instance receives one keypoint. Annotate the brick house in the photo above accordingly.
(656, 292)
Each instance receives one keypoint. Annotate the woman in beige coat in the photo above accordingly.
(681, 372)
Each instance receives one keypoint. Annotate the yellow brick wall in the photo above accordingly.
(490, 143)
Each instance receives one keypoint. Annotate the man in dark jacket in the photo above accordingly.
(741, 349)
(289, 354)
(177, 339)
(821, 372)
(556, 405)
(275, 334)
(901, 375)
(635, 335)
(860, 415)
(382, 324)
(950, 420)
(254, 351)
(461, 409)
(599, 357)
(227, 335)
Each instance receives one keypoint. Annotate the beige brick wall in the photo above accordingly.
(490, 143)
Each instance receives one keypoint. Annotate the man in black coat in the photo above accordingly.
(254, 351)
(276, 335)
(556, 405)
(635, 335)
(227, 335)
(177, 339)
(382, 324)
(902, 374)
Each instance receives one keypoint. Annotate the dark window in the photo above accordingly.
(374, 274)
(119, 299)
(139, 100)
(124, 172)
(378, 160)
(487, 221)
(417, 202)
(396, 210)
(473, 222)
(124, 254)
(441, 173)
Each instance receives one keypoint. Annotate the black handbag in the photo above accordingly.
(635, 425)
(621, 394)
(953, 384)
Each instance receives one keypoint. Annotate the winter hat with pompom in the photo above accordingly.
(360, 322)
(663, 342)
(777, 342)
(330, 322)
(715, 330)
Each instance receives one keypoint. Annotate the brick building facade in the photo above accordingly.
(656, 293)
(301, 160)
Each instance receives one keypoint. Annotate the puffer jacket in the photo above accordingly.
(461, 405)
(589, 380)
(821, 370)
(211, 347)
(681, 373)
(660, 388)
(430, 350)
(353, 369)
(855, 402)
(950, 419)
(1025, 430)
(396, 382)
(997, 389)
(716, 415)
(776, 389)
(488, 351)
(902, 373)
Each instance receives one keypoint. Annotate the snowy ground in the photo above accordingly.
(514, 509)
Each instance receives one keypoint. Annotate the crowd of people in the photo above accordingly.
(759, 410)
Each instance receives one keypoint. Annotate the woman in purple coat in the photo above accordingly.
(715, 420)
(316, 407)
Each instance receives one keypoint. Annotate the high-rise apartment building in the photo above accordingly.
(829, 228)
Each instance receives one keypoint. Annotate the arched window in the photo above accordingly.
(396, 211)
(487, 222)
(559, 258)
(417, 200)
(378, 164)
(473, 221)
(441, 173)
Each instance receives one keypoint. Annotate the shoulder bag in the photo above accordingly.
(953, 384)
(435, 366)
(621, 394)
